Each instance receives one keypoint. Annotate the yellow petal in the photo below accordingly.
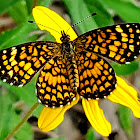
(127, 96)
(52, 22)
(50, 118)
(96, 117)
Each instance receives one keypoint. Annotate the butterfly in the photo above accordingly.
(72, 67)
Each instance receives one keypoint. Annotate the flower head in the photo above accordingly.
(123, 94)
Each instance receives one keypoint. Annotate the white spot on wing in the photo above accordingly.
(4, 80)
(13, 48)
(127, 62)
(104, 96)
(74, 98)
(118, 26)
(39, 101)
(68, 103)
(36, 91)
(127, 25)
(38, 85)
(20, 85)
(11, 84)
(81, 96)
(4, 51)
(110, 70)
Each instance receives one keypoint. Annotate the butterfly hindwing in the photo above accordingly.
(120, 43)
(53, 87)
(96, 76)
(20, 63)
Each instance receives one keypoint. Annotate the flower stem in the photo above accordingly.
(22, 121)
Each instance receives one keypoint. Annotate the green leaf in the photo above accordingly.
(24, 132)
(38, 110)
(9, 119)
(125, 69)
(6, 4)
(45, 3)
(127, 10)
(125, 119)
(17, 13)
(25, 93)
(29, 4)
(90, 134)
(78, 10)
(103, 18)
(6, 114)
(86, 8)
(18, 35)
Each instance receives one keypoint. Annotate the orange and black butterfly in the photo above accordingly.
(72, 67)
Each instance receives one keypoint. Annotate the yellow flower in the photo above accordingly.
(123, 94)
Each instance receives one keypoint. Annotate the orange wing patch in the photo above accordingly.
(20, 63)
(97, 77)
(53, 87)
(120, 43)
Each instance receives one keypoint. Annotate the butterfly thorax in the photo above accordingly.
(68, 53)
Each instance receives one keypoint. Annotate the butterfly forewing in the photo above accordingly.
(96, 76)
(20, 63)
(53, 86)
(120, 43)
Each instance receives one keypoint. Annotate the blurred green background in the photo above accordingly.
(15, 29)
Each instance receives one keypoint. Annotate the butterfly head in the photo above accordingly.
(64, 37)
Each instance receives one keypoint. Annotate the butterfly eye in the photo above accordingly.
(62, 38)
(65, 37)
(68, 36)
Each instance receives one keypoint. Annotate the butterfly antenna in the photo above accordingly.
(82, 21)
(30, 21)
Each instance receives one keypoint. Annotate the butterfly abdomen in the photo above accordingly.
(72, 73)
(71, 66)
